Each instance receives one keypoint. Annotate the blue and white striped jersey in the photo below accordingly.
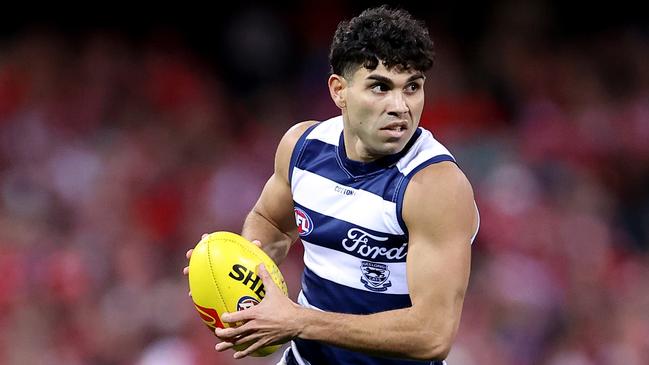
(355, 241)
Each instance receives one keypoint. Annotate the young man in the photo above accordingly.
(385, 215)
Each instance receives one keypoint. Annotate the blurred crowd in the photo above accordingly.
(116, 154)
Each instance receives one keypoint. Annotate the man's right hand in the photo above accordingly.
(189, 255)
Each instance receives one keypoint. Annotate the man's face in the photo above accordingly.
(381, 109)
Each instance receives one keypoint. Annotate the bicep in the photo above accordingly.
(276, 204)
(438, 275)
(440, 215)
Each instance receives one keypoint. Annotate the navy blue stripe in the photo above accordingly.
(320, 158)
(333, 297)
(317, 353)
(404, 183)
(298, 150)
(349, 238)
(290, 358)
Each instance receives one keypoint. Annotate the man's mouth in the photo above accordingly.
(394, 131)
(397, 127)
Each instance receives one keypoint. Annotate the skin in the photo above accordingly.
(371, 102)
(381, 110)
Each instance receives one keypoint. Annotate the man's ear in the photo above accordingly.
(337, 90)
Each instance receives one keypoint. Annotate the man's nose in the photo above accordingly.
(398, 105)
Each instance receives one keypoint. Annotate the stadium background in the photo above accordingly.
(126, 133)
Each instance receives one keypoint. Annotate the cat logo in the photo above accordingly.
(375, 276)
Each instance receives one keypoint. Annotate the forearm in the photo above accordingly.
(397, 333)
(275, 242)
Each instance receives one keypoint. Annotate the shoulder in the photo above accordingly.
(439, 196)
(287, 144)
(425, 151)
(291, 137)
(294, 133)
(441, 179)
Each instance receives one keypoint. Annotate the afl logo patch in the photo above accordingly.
(303, 221)
(246, 302)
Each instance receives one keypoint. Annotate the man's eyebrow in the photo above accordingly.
(416, 76)
(389, 81)
(380, 78)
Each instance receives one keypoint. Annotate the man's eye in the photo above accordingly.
(379, 88)
(412, 88)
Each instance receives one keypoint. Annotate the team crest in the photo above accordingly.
(303, 221)
(375, 276)
(246, 302)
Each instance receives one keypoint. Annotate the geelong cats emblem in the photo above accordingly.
(375, 276)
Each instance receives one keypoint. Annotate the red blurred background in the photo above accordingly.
(125, 135)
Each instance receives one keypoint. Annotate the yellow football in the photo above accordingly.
(223, 279)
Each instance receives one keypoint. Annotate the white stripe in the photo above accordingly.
(361, 208)
(347, 269)
(477, 212)
(282, 361)
(424, 149)
(328, 131)
(297, 356)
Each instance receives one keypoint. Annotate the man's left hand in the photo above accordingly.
(273, 321)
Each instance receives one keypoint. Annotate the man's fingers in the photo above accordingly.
(257, 243)
(249, 338)
(239, 316)
(252, 348)
(269, 284)
(189, 253)
(204, 235)
(222, 346)
(263, 272)
(186, 270)
(232, 333)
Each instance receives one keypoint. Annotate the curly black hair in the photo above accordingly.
(390, 36)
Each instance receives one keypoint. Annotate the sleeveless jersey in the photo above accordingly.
(355, 241)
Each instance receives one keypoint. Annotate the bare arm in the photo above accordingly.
(441, 217)
(272, 221)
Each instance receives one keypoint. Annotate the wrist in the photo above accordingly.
(298, 320)
(309, 323)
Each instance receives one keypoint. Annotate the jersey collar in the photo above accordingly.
(358, 168)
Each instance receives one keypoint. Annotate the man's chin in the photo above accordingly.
(390, 148)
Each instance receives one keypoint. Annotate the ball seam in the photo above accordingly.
(216, 285)
(260, 258)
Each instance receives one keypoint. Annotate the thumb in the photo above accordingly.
(269, 284)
